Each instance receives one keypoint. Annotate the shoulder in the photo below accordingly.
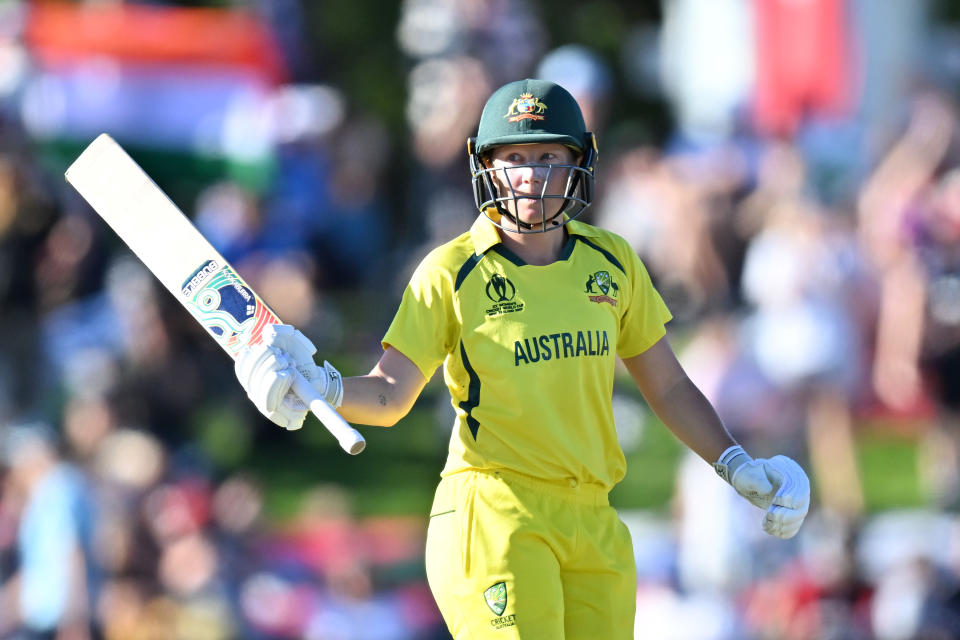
(612, 245)
(443, 263)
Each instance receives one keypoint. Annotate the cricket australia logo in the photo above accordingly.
(496, 599)
(526, 107)
(602, 285)
(502, 292)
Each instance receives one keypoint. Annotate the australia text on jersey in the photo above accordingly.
(560, 345)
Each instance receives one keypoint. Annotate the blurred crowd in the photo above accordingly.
(791, 180)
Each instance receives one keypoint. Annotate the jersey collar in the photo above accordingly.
(484, 233)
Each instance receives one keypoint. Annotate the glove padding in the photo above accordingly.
(267, 370)
(777, 485)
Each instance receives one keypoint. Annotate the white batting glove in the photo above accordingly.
(266, 372)
(777, 485)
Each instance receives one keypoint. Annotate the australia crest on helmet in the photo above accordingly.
(526, 107)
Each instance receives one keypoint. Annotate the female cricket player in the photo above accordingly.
(527, 312)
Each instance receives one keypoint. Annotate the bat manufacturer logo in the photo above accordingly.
(225, 306)
(198, 277)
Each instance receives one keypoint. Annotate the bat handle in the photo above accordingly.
(348, 437)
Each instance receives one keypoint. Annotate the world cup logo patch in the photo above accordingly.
(502, 292)
(500, 289)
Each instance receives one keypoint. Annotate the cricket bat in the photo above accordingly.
(186, 263)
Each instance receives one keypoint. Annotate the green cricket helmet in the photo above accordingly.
(528, 112)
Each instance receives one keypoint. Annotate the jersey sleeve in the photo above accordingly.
(424, 328)
(643, 320)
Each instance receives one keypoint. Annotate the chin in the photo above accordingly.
(536, 217)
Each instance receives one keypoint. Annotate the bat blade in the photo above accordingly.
(165, 240)
(187, 265)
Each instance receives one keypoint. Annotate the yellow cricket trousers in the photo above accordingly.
(513, 557)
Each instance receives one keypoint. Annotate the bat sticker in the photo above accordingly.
(226, 307)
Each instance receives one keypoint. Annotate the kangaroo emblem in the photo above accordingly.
(526, 107)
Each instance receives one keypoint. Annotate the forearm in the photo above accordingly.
(678, 402)
(689, 415)
(372, 400)
(900, 327)
(777, 482)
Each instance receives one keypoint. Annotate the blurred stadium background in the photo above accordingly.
(788, 170)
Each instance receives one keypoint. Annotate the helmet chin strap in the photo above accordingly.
(553, 221)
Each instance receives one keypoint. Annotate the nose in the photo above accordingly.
(526, 174)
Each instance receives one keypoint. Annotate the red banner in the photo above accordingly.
(60, 33)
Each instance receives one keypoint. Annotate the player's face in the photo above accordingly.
(525, 173)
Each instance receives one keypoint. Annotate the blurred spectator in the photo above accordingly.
(908, 213)
(228, 215)
(352, 241)
(675, 222)
(910, 558)
(803, 278)
(505, 35)
(446, 97)
(26, 217)
(52, 591)
(706, 64)
(822, 593)
(586, 76)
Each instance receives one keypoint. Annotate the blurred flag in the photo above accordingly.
(175, 80)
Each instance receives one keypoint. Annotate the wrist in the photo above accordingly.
(730, 461)
(334, 385)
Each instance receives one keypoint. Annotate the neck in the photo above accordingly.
(535, 248)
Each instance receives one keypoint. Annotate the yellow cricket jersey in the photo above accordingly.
(529, 351)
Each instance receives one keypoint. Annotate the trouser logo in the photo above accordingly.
(506, 621)
(496, 597)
